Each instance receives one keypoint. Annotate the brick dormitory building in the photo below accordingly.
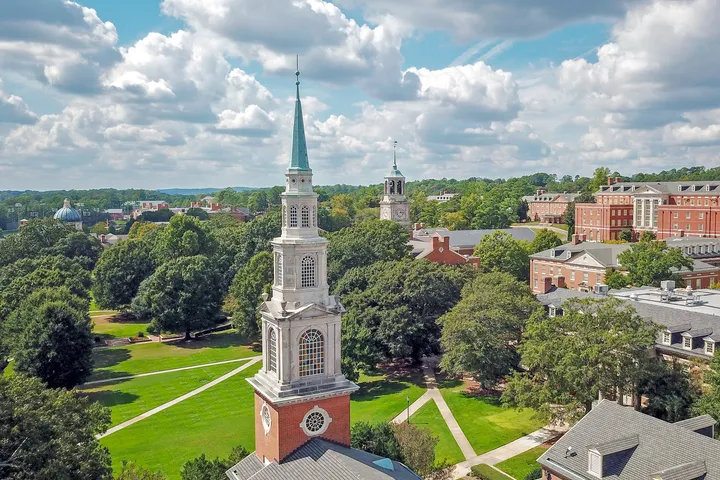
(548, 207)
(668, 209)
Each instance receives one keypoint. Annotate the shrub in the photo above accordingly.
(486, 472)
(534, 475)
(141, 334)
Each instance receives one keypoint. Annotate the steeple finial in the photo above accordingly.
(299, 160)
(394, 155)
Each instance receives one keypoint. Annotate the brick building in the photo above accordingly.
(440, 251)
(669, 209)
(581, 265)
(548, 207)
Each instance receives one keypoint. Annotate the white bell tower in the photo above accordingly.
(394, 205)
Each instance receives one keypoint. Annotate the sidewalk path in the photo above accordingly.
(128, 377)
(509, 450)
(169, 404)
(414, 407)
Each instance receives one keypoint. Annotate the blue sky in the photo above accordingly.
(182, 93)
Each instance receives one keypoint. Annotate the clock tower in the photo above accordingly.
(394, 205)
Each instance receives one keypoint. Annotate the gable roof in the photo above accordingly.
(663, 450)
(320, 459)
(470, 238)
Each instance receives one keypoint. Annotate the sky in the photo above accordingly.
(190, 93)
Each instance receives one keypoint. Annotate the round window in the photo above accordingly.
(293, 180)
(315, 422)
(266, 419)
(303, 180)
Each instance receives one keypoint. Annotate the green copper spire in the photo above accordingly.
(395, 172)
(299, 159)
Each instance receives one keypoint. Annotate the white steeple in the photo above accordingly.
(394, 205)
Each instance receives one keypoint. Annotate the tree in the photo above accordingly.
(184, 237)
(585, 197)
(545, 239)
(119, 273)
(99, 228)
(249, 283)
(594, 347)
(649, 262)
(78, 246)
(648, 236)
(417, 446)
(615, 279)
(626, 235)
(55, 344)
(668, 388)
(500, 252)
(258, 201)
(180, 296)
(203, 469)
(130, 471)
(455, 221)
(198, 213)
(365, 244)
(599, 178)
(376, 438)
(160, 215)
(48, 433)
(569, 215)
(709, 401)
(140, 229)
(32, 240)
(480, 333)
(392, 310)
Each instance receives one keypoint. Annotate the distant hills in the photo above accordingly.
(198, 191)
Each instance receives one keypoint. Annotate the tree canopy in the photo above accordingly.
(595, 346)
(500, 252)
(247, 287)
(649, 262)
(119, 273)
(545, 239)
(184, 236)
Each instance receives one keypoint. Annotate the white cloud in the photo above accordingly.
(13, 109)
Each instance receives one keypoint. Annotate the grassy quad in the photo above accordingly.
(129, 398)
(212, 422)
(106, 328)
(485, 422)
(382, 397)
(151, 357)
(521, 465)
(447, 448)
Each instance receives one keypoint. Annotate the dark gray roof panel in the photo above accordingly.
(686, 471)
(246, 468)
(697, 423)
(615, 446)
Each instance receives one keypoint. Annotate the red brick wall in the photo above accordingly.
(537, 209)
(446, 256)
(602, 222)
(703, 221)
(286, 436)
(573, 276)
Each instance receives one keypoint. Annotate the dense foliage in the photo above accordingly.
(649, 262)
(118, 274)
(249, 284)
(500, 252)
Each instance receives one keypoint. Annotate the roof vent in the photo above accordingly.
(385, 463)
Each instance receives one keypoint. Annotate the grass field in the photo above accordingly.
(382, 398)
(447, 448)
(212, 422)
(521, 465)
(129, 398)
(485, 422)
(150, 357)
(107, 329)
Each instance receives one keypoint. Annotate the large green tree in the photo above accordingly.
(119, 273)
(247, 287)
(709, 401)
(181, 296)
(48, 433)
(392, 310)
(595, 346)
(376, 438)
(365, 244)
(32, 240)
(202, 468)
(184, 236)
(545, 239)
(55, 343)
(649, 262)
(480, 334)
(500, 252)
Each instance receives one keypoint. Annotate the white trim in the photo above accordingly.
(326, 421)
(266, 424)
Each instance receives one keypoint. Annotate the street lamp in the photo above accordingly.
(408, 407)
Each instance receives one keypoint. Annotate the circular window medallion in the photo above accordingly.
(293, 180)
(315, 422)
(303, 180)
(265, 417)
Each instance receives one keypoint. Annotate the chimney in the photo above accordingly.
(610, 180)
(618, 179)
(546, 284)
(539, 192)
(102, 238)
(576, 238)
(560, 281)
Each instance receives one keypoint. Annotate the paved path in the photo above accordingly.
(128, 377)
(414, 407)
(509, 450)
(169, 404)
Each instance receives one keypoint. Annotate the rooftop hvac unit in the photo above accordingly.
(601, 289)
(668, 285)
(691, 300)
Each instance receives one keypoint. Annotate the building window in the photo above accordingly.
(542, 269)
(687, 343)
(595, 464)
(710, 348)
(535, 283)
(312, 353)
(305, 216)
(307, 272)
(272, 350)
(687, 226)
(701, 215)
(688, 214)
(572, 275)
(551, 270)
(586, 277)
(612, 222)
(675, 226)
(667, 337)
(675, 214)
(293, 216)
(700, 227)
(552, 311)
(266, 418)
(535, 267)
(278, 269)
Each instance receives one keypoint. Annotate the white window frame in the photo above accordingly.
(709, 347)
(667, 338)
(685, 342)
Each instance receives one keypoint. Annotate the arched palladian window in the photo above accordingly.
(272, 350)
(293, 216)
(307, 272)
(312, 353)
(305, 216)
(314, 217)
(399, 187)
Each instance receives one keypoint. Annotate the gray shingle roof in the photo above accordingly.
(470, 238)
(615, 446)
(550, 197)
(664, 187)
(687, 471)
(321, 460)
(697, 423)
(661, 447)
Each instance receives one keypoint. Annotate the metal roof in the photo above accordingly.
(299, 159)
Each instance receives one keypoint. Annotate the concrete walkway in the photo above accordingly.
(128, 377)
(414, 407)
(169, 404)
(509, 450)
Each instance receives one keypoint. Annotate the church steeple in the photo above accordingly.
(394, 205)
(299, 160)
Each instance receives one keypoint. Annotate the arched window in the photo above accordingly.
(399, 187)
(278, 269)
(307, 272)
(293, 216)
(312, 353)
(392, 187)
(305, 216)
(314, 217)
(272, 350)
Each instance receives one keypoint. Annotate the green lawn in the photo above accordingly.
(107, 329)
(382, 398)
(129, 398)
(151, 357)
(485, 422)
(486, 472)
(212, 422)
(447, 448)
(521, 465)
